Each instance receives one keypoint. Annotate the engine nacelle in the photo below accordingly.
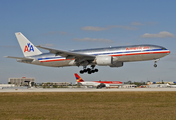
(104, 60)
(117, 64)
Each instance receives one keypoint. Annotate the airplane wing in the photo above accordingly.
(19, 58)
(68, 54)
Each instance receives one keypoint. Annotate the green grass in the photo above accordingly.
(88, 106)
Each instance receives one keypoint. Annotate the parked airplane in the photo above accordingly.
(97, 84)
(172, 86)
(110, 56)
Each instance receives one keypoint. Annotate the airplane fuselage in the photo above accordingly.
(118, 55)
(96, 83)
(109, 56)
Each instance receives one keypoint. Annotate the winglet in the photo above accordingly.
(78, 78)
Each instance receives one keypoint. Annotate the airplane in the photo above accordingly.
(108, 56)
(97, 84)
(171, 86)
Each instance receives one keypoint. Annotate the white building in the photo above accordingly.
(22, 81)
(7, 85)
(55, 84)
(129, 86)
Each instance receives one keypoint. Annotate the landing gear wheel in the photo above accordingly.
(85, 70)
(89, 72)
(88, 69)
(81, 71)
(155, 65)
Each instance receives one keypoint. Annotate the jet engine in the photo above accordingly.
(117, 64)
(104, 60)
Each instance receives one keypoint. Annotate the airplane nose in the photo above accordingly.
(168, 52)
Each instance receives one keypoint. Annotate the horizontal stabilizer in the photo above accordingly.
(19, 58)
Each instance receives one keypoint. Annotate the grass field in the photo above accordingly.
(88, 106)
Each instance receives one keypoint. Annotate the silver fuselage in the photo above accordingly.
(119, 54)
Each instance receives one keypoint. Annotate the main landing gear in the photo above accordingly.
(89, 70)
(155, 65)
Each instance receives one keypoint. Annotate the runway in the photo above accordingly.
(88, 90)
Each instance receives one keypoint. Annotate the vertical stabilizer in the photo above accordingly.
(78, 78)
(27, 47)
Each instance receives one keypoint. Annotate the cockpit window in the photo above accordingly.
(163, 48)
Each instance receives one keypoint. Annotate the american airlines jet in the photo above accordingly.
(109, 56)
(97, 84)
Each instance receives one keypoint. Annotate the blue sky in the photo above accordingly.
(79, 24)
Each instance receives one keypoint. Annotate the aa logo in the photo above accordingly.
(28, 48)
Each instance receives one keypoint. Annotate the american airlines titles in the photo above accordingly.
(137, 48)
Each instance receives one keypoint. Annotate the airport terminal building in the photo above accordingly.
(22, 81)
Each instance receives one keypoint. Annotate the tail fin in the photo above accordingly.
(78, 78)
(27, 47)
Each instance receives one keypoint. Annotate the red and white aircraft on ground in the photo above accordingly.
(97, 84)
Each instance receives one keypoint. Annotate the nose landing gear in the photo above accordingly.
(155, 65)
